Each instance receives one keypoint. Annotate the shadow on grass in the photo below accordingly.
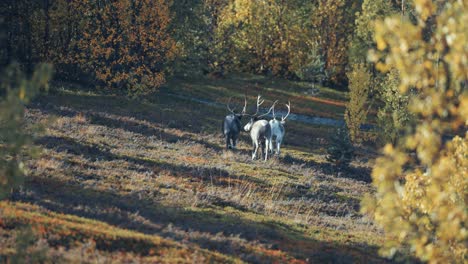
(133, 116)
(142, 212)
(164, 111)
(147, 216)
(359, 174)
(146, 130)
(96, 152)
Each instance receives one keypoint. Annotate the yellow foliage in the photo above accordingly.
(268, 32)
(359, 85)
(422, 181)
(328, 20)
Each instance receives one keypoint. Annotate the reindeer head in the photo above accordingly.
(238, 115)
(283, 118)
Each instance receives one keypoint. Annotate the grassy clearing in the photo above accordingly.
(327, 103)
(155, 174)
(77, 233)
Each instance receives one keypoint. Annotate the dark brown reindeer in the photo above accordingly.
(232, 125)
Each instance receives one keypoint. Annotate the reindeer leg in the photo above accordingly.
(227, 141)
(271, 147)
(278, 145)
(234, 143)
(262, 150)
(254, 154)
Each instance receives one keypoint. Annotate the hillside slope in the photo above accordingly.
(123, 173)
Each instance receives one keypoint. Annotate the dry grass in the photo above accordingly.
(97, 240)
(117, 171)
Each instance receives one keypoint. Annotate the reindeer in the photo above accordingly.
(260, 131)
(232, 125)
(277, 129)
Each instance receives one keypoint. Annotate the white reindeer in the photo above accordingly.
(277, 129)
(260, 131)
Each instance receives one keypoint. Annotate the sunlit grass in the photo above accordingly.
(327, 103)
(67, 230)
(157, 170)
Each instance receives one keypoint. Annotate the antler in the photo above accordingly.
(269, 110)
(245, 106)
(274, 115)
(283, 118)
(228, 107)
(260, 101)
(232, 110)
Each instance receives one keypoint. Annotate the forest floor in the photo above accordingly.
(122, 180)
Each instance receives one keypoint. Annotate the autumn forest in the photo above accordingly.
(126, 131)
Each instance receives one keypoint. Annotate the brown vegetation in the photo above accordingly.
(145, 168)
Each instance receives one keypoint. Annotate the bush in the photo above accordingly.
(29, 249)
(341, 150)
(356, 113)
(15, 91)
(422, 181)
(394, 115)
(314, 68)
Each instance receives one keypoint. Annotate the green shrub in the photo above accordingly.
(356, 109)
(394, 115)
(28, 248)
(314, 69)
(340, 150)
(15, 91)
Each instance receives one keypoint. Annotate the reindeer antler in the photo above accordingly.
(245, 106)
(274, 115)
(260, 101)
(269, 110)
(233, 110)
(283, 118)
(228, 107)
